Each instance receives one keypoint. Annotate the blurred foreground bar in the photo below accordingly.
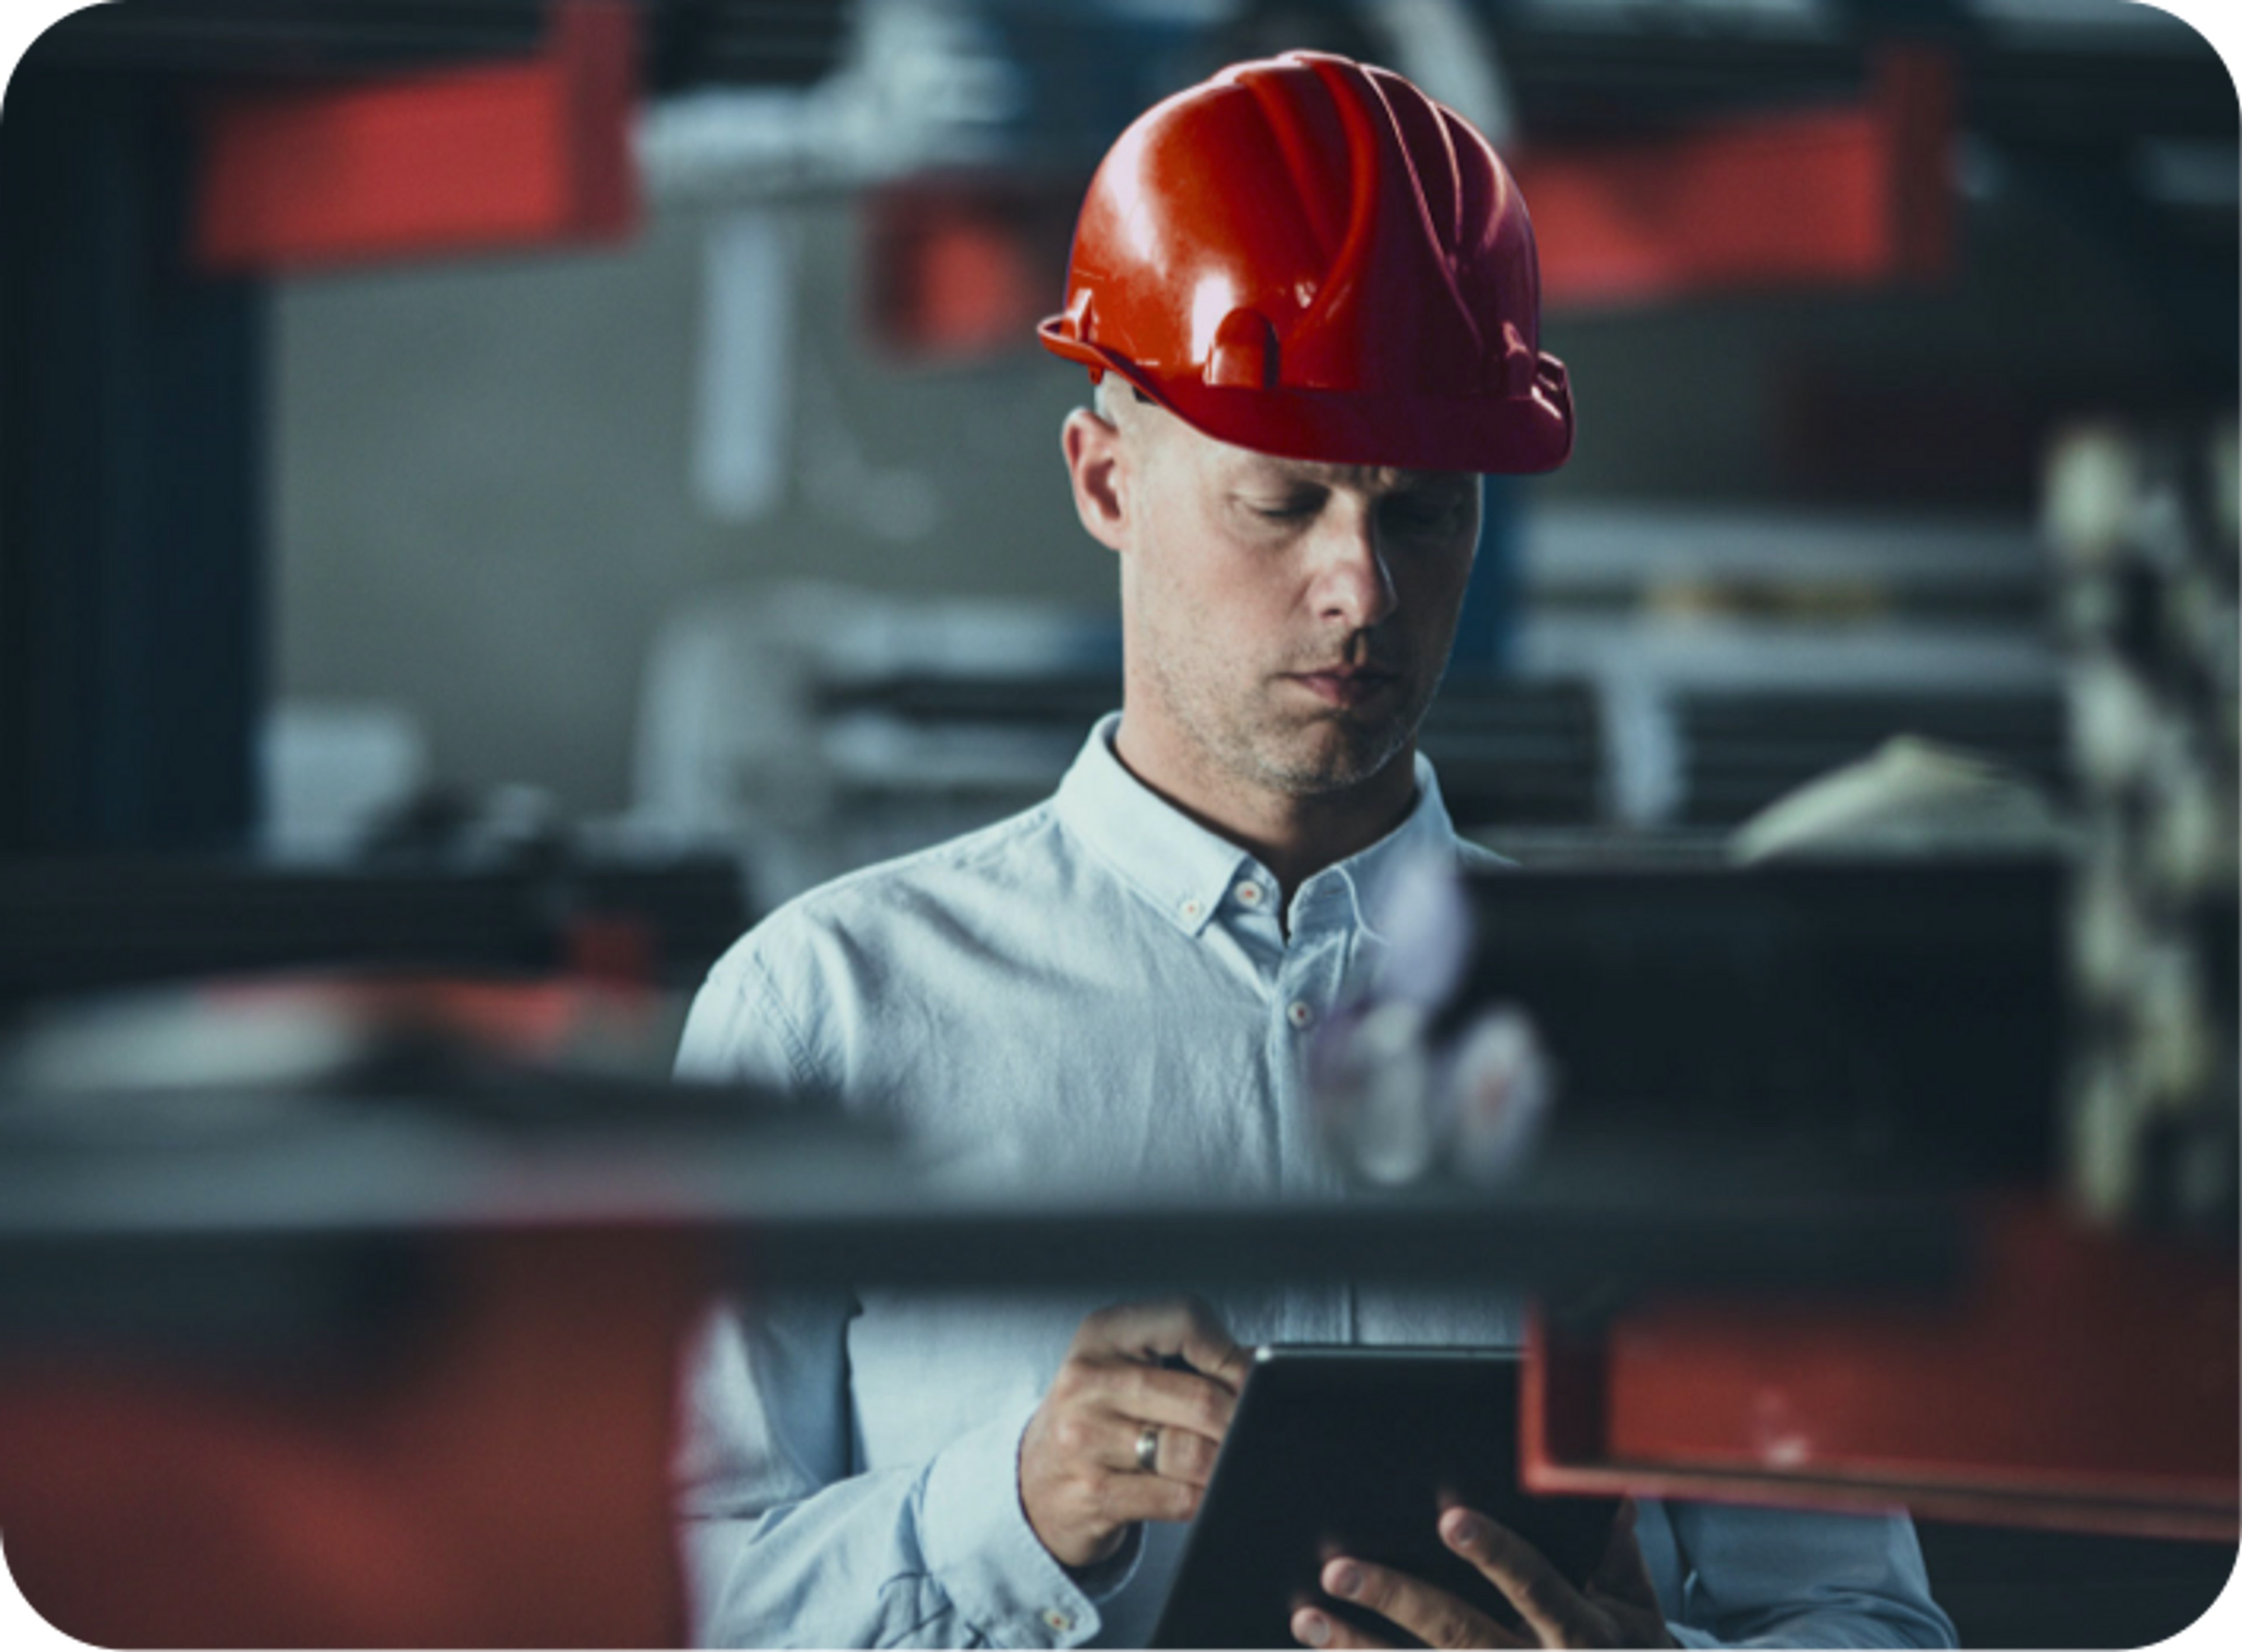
(322, 1322)
(289, 1246)
(2078, 1379)
(492, 1472)
(75, 925)
(326, 1321)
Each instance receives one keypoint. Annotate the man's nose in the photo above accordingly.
(1354, 584)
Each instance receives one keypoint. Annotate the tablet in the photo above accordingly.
(1356, 1451)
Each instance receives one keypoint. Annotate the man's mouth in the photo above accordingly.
(1345, 685)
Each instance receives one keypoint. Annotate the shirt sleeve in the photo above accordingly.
(1750, 1576)
(783, 1544)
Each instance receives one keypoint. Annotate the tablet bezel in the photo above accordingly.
(1269, 1520)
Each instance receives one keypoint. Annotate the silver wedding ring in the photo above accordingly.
(1148, 1446)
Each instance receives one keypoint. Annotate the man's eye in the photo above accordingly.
(1286, 510)
(1423, 513)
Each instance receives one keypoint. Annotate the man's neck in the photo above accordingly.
(1294, 837)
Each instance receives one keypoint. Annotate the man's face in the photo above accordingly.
(1289, 621)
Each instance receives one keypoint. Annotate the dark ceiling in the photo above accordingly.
(1567, 72)
(690, 42)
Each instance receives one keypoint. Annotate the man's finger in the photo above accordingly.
(1178, 1325)
(1434, 1615)
(1623, 1574)
(1210, 1348)
(1553, 1608)
(1328, 1635)
(1178, 1453)
(1172, 1399)
(1125, 1499)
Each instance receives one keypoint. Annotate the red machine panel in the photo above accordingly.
(1855, 194)
(486, 156)
(2078, 1379)
(498, 1478)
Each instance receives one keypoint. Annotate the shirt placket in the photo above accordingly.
(1306, 990)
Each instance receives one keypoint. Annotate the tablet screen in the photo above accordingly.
(1356, 1451)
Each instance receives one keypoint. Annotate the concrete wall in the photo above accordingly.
(483, 498)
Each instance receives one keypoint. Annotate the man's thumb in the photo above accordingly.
(1623, 1575)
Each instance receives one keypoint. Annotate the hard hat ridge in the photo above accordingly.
(1308, 256)
(1390, 247)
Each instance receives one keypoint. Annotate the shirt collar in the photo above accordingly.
(1186, 871)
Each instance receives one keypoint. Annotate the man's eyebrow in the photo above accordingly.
(1389, 479)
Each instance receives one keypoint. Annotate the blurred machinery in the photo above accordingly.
(2144, 523)
(349, 1310)
(443, 130)
(1889, 1013)
(1737, 655)
(819, 729)
(1672, 673)
(2047, 973)
(72, 927)
(376, 1340)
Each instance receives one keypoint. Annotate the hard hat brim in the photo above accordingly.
(1517, 436)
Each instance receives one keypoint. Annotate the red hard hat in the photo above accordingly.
(1308, 257)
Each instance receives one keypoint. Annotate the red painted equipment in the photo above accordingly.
(1860, 193)
(1311, 257)
(497, 1478)
(481, 158)
(2078, 1379)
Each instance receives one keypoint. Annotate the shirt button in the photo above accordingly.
(1250, 894)
(1300, 1014)
(1191, 908)
(1058, 1622)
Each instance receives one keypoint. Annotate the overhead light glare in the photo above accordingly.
(2085, 25)
(1813, 18)
(2174, 173)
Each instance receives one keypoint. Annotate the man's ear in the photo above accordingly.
(1097, 466)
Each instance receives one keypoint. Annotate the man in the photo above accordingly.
(1308, 298)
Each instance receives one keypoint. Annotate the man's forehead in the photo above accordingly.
(1144, 415)
(1325, 474)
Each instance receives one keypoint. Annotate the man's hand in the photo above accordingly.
(1619, 1607)
(1080, 1479)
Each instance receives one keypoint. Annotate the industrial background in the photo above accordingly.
(1832, 277)
(528, 485)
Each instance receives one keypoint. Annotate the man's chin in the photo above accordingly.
(1336, 758)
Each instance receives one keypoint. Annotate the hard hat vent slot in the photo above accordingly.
(1514, 362)
(1244, 353)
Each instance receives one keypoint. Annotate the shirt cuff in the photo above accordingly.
(983, 1553)
(1110, 1576)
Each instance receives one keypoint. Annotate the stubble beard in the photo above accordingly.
(1293, 753)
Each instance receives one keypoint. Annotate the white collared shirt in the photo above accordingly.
(1098, 992)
